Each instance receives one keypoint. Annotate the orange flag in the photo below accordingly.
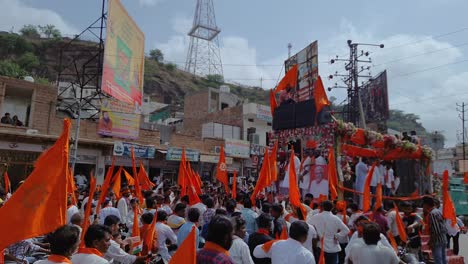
(87, 214)
(322, 252)
(332, 175)
(193, 176)
(117, 183)
(105, 186)
(378, 197)
(71, 187)
(7, 182)
(284, 233)
(294, 194)
(221, 171)
(273, 162)
(392, 240)
(273, 103)
(400, 226)
(263, 178)
(136, 224)
(198, 179)
(366, 197)
(130, 179)
(182, 179)
(234, 185)
(139, 195)
(149, 238)
(143, 178)
(289, 80)
(448, 209)
(465, 179)
(187, 251)
(39, 205)
(320, 97)
(191, 191)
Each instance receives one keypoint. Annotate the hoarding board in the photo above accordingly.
(118, 119)
(374, 97)
(237, 148)
(141, 151)
(175, 154)
(307, 60)
(122, 76)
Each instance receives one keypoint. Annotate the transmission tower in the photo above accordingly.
(203, 57)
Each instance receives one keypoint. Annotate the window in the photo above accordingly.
(17, 102)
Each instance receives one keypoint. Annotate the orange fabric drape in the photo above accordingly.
(87, 214)
(448, 209)
(392, 240)
(234, 185)
(366, 199)
(294, 194)
(187, 251)
(273, 103)
(359, 137)
(138, 192)
(105, 186)
(6, 179)
(39, 205)
(182, 179)
(320, 96)
(289, 80)
(221, 170)
(354, 151)
(332, 174)
(400, 226)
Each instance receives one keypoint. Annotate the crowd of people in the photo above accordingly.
(8, 120)
(241, 231)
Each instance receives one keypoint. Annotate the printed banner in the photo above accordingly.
(374, 97)
(175, 154)
(125, 149)
(118, 119)
(237, 148)
(122, 76)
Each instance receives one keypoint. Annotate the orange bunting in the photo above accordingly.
(39, 205)
(332, 174)
(366, 199)
(221, 170)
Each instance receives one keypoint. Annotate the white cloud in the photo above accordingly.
(14, 14)
(150, 2)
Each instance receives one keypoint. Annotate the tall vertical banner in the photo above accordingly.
(307, 61)
(122, 76)
(374, 97)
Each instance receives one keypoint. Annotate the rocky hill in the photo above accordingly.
(165, 83)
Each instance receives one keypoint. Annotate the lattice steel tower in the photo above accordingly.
(203, 57)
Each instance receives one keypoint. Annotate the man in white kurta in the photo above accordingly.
(291, 250)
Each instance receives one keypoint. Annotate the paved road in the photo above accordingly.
(464, 246)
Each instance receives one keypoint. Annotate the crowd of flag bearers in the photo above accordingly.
(138, 221)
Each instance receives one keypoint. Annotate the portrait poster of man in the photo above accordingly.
(315, 180)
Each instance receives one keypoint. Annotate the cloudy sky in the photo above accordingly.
(425, 41)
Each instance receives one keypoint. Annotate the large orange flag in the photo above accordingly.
(234, 185)
(448, 209)
(6, 179)
(378, 197)
(39, 205)
(294, 194)
(117, 183)
(320, 97)
(148, 240)
(182, 179)
(136, 224)
(138, 193)
(105, 186)
(87, 214)
(392, 241)
(366, 197)
(143, 178)
(400, 226)
(332, 175)
(187, 252)
(130, 179)
(289, 80)
(221, 171)
(191, 191)
(273, 103)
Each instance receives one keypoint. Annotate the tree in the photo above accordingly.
(217, 78)
(50, 31)
(11, 69)
(156, 55)
(30, 31)
(28, 61)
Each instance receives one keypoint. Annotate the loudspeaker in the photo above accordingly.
(305, 114)
(283, 118)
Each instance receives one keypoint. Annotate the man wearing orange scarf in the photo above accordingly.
(218, 242)
(63, 243)
(97, 241)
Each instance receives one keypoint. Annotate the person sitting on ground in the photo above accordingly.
(218, 242)
(97, 241)
(115, 252)
(64, 242)
(291, 250)
(371, 252)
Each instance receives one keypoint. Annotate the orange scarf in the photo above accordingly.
(263, 231)
(90, 251)
(215, 247)
(59, 259)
